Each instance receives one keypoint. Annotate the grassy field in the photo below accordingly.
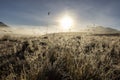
(60, 56)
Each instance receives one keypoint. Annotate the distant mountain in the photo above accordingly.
(2, 25)
(101, 29)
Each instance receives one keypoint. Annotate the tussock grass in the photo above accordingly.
(60, 57)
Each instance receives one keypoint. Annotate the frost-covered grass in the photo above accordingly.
(61, 56)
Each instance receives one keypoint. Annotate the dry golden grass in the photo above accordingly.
(61, 56)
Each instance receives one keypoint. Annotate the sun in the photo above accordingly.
(66, 22)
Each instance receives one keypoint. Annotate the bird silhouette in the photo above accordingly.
(48, 13)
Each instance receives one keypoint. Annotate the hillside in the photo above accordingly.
(101, 29)
(2, 25)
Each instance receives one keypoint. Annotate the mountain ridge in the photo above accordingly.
(3, 25)
(101, 29)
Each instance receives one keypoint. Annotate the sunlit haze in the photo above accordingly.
(37, 13)
(66, 22)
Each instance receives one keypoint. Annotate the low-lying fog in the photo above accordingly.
(34, 30)
(40, 30)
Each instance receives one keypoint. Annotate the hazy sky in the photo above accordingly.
(84, 12)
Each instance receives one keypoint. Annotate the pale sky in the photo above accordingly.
(83, 12)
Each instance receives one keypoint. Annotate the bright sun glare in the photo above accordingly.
(66, 22)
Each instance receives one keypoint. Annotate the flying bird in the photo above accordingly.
(48, 13)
